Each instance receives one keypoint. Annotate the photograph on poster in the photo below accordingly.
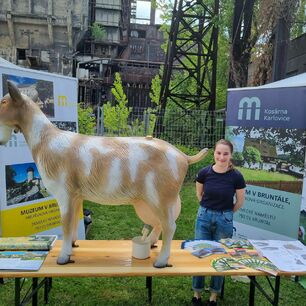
(271, 158)
(23, 184)
(66, 125)
(39, 90)
(267, 150)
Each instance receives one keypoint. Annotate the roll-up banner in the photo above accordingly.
(26, 206)
(267, 128)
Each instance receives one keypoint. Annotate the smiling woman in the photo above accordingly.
(216, 186)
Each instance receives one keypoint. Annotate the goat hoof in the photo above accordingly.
(161, 265)
(74, 245)
(153, 246)
(64, 260)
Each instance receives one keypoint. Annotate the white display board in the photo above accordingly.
(267, 126)
(26, 207)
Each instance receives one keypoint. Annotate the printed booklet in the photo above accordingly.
(22, 260)
(203, 248)
(237, 243)
(29, 243)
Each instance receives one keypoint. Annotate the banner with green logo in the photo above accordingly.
(267, 128)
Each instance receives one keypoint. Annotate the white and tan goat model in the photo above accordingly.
(145, 172)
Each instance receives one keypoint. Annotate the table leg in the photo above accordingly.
(222, 289)
(35, 291)
(252, 291)
(46, 290)
(276, 291)
(17, 291)
(149, 287)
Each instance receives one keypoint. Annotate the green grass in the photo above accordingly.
(263, 175)
(131, 290)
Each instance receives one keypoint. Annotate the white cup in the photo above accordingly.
(141, 248)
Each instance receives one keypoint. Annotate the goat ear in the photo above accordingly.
(14, 92)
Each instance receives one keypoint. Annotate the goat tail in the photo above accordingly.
(196, 158)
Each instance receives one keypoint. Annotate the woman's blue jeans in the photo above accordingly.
(212, 225)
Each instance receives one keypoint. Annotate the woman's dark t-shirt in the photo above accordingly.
(219, 188)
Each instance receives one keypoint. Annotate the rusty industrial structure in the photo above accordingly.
(193, 39)
(128, 47)
(42, 34)
(192, 47)
(58, 37)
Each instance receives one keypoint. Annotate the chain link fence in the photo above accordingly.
(188, 130)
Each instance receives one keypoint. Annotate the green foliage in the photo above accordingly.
(222, 71)
(155, 90)
(290, 141)
(195, 168)
(223, 62)
(10, 174)
(86, 120)
(97, 31)
(238, 158)
(299, 21)
(252, 155)
(116, 116)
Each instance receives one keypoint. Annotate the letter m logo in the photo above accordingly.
(62, 101)
(247, 107)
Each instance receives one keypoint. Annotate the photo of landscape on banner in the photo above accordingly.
(268, 134)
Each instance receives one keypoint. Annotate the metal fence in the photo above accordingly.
(190, 130)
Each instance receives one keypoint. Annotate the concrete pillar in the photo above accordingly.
(49, 21)
(152, 14)
(10, 26)
(30, 6)
(69, 25)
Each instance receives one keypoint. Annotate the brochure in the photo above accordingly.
(237, 252)
(34, 242)
(22, 260)
(208, 251)
(198, 244)
(259, 263)
(286, 255)
(236, 243)
(226, 263)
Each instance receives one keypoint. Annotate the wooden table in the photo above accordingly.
(113, 258)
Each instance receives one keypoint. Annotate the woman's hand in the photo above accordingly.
(239, 199)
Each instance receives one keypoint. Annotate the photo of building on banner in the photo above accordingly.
(268, 134)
